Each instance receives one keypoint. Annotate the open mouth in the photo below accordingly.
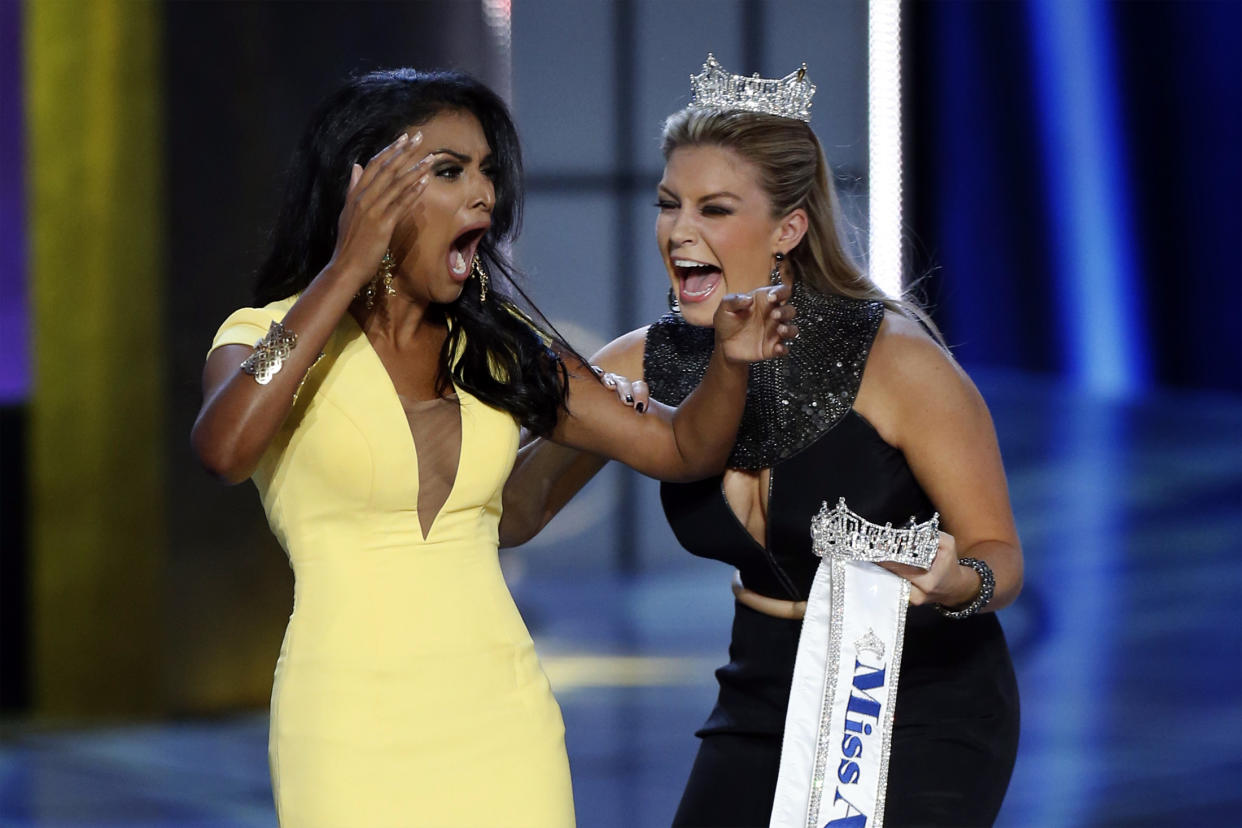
(698, 279)
(461, 251)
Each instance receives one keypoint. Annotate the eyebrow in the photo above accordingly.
(708, 197)
(461, 156)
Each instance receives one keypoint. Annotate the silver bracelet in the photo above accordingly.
(987, 585)
(270, 353)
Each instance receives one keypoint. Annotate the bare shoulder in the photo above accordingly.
(624, 355)
(909, 376)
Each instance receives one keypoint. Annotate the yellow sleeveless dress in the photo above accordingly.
(407, 692)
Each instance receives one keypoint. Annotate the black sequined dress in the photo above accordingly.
(956, 726)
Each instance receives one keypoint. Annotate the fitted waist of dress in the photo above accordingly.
(411, 601)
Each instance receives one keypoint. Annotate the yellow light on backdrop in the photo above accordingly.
(95, 227)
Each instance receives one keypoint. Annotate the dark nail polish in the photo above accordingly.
(629, 398)
(640, 408)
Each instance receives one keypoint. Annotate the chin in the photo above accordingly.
(702, 315)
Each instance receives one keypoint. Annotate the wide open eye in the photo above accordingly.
(450, 171)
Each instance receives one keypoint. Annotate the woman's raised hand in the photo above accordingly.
(377, 197)
(751, 327)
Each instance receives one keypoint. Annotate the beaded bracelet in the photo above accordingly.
(987, 585)
(270, 353)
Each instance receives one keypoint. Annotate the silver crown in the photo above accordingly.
(788, 97)
(842, 534)
(870, 643)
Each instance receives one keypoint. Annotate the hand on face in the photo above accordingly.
(435, 243)
(430, 213)
(751, 327)
(377, 197)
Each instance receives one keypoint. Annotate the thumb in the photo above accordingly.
(735, 302)
(354, 175)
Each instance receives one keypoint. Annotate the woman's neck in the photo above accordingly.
(399, 320)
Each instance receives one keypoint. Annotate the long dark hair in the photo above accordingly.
(495, 351)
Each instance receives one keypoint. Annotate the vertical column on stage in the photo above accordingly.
(95, 229)
(14, 373)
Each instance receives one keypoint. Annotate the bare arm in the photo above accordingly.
(923, 403)
(239, 417)
(546, 475)
(686, 443)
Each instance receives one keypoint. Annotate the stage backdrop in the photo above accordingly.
(1073, 180)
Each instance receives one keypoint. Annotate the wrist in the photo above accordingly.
(720, 354)
(344, 277)
(981, 598)
(965, 587)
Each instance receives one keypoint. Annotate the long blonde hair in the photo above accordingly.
(794, 173)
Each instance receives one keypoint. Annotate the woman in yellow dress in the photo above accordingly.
(375, 396)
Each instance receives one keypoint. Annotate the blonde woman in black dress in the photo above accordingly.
(869, 407)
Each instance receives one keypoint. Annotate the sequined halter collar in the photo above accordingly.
(790, 402)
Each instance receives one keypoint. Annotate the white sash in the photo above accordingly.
(838, 729)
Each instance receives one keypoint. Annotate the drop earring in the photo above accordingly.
(673, 304)
(387, 265)
(477, 268)
(775, 276)
(382, 281)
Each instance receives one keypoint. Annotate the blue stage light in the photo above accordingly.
(1089, 200)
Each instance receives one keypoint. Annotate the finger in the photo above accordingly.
(779, 293)
(784, 312)
(599, 372)
(401, 188)
(642, 396)
(409, 196)
(402, 203)
(410, 191)
(609, 380)
(625, 390)
(421, 165)
(904, 570)
(355, 174)
(376, 162)
(787, 331)
(389, 160)
(403, 142)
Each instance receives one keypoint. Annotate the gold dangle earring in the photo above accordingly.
(382, 281)
(477, 268)
(775, 276)
(387, 265)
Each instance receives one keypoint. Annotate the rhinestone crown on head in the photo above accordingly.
(842, 534)
(788, 97)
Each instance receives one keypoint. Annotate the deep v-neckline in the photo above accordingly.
(463, 400)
